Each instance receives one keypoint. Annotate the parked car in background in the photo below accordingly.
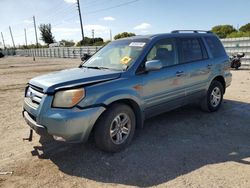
(129, 80)
(56, 44)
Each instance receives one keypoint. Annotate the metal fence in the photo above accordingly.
(59, 52)
(232, 46)
(236, 45)
(9, 52)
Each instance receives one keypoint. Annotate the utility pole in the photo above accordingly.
(80, 16)
(110, 35)
(3, 41)
(93, 33)
(25, 37)
(34, 20)
(12, 38)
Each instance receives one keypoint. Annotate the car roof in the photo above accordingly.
(165, 35)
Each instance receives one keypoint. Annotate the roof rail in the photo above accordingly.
(194, 31)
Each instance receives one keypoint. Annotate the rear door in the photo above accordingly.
(193, 54)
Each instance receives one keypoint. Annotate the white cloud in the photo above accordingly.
(30, 29)
(27, 21)
(100, 30)
(65, 29)
(142, 26)
(109, 18)
(97, 28)
(89, 27)
(144, 31)
(70, 1)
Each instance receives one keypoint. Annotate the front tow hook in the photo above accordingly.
(30, 136)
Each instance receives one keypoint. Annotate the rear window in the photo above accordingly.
(190, 49)
(215, 47)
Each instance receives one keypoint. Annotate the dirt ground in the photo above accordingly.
(182, 148)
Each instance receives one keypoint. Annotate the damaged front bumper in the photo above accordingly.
(70, 125)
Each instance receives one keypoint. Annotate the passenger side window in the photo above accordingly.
(163, 51)
(190, 49)
(215, 47)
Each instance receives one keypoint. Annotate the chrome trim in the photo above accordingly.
(31, 122)
(37, 93)
(37, 99)
(34, 96)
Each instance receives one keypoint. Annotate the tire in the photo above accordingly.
(213, 99)
(110, 130)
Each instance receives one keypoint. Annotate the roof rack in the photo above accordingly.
(194, 31)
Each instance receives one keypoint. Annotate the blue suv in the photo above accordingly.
(129, 80)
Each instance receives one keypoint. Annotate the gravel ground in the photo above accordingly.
(182, 148)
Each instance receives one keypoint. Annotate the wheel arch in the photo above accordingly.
(133, 105)
(222, 81)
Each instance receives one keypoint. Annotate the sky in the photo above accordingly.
(102, 16)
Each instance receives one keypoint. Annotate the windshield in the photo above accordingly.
(117, 55)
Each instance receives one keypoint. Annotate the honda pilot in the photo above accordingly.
(113, 92)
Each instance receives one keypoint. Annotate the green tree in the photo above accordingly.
(46, 34)
(245, 28)
(223, 30)
(30, 46)
(68, 43)
(106, 42)
(238, 34)
(123, 35)
(91, 42)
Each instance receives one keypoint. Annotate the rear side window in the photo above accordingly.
(190, 49)
(215, 47)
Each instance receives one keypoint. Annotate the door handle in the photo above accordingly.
(179, 73)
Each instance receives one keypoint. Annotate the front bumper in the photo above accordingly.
(73, 125)
(41, 130)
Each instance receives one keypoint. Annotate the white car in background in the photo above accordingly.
(56, 44)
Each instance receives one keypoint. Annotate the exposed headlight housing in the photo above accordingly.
(68, 98)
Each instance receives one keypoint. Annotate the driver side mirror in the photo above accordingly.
(85, 57)
(153, 65)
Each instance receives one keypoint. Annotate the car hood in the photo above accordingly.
(72, 77)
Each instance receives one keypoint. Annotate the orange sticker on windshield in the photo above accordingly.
(125, 60)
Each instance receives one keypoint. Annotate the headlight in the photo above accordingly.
(68, 98)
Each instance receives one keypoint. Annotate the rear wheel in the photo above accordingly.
(214, 97)
(115, 128)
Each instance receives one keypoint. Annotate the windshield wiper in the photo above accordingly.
(100, 68)
(94, 67)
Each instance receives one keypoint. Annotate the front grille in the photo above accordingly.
(34, 95)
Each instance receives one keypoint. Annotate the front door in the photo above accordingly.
(163, 89)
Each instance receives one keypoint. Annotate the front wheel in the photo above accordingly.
(115, 128)
(213, 98)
